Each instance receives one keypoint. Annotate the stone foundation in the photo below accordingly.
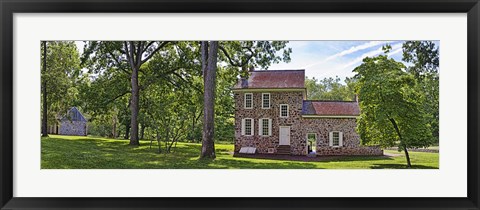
(360, 151)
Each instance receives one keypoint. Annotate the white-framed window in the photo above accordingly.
(266, 100)
(248, 100)
(284, 110)
(336, 139)
(265, 127)
(247, 127)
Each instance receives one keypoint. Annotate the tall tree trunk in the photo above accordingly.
(209, 66)
(192, 131)
(134, 108)
(114, 129)
(44, 92)
(159, 143)
(394, 123)
(142, 132)
(167, 135)
(127, 130)
(409, 165)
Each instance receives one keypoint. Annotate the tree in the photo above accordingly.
(127, 56)
(330, 89)
(391, 113)
(239, 54)
(44, 92)
(59, 75)
(137, 53)
(424, 57)
(225, 104)
(105, 99)
(209, 69)
(174, 86)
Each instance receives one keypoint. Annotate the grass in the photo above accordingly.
(74, 152)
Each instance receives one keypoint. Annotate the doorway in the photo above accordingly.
(311, 143)
(284, 135)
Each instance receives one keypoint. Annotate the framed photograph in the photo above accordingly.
(239, 105)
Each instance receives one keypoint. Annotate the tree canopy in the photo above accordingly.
(59, 78)
(424, 59)
(391, 108)
(330, 89)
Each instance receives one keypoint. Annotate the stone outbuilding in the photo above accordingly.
(73, 123)
(272, 116)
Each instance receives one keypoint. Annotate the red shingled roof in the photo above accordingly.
(330, 108)
(273, 79)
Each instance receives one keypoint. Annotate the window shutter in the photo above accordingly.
(253, 126)
(244, 100)
(243, 127)
(341, 139)
(251, 106)
(260, 127)
(263, 96)
(330, 138)
(269, 127)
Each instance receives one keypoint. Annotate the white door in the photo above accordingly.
(285, 135)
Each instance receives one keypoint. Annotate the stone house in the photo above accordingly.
(272, 116)
(73, 123)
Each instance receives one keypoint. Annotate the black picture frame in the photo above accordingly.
(9, 7)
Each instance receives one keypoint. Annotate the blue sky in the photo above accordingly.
(322, 59)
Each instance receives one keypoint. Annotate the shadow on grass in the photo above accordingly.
(237, 163)
(400, 166)
(221, 162)
(99, 153)
(91, 153)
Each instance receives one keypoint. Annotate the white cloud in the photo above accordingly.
(357, 48)
(390, 54)
(341, 67)
(349, 51)
(378, 51)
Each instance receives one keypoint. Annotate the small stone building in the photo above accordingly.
(73, 124)
(272, 116)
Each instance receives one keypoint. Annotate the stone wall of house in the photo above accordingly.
(73, 128)
(268, 144)
(299, 127)
(323, 126)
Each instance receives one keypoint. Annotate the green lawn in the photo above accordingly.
(73, 152)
